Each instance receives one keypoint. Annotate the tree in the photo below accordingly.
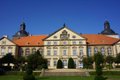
(59, 64)
(98, 57)
(117, 59)
(29, 73)
(8, 58)
(87, 62)
(71, 63)
(21, 61)
(35, 60)
(109, 60)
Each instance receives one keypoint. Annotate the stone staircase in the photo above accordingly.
(66, 72)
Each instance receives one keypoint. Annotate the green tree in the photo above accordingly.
(36, 60)
(117, 59)
(87, 62)
(59, 64)
(71, 63)
(29, 73)
(21, 62)
(8, 58)
(98, 57)
(109, 60)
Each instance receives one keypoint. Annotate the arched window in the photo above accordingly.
(41, 51)
(3, 50)
(27, 51)
(95, 50)
(33, 50)
(103, 51)
(89, 51)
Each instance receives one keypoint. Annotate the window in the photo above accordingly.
(74, 42)
(64, 52)
(109, 51)
(41, 51)
(65, 62)
(55, 43)
(55, 62)
(9, 49)
(2, 50)
(89, 51)
(55, 36)
(74, 36)
(48, 43)
(48, 62)
(33, 50)
(95, 50)
(27, 51)
(55, 52)
(74, 52)
(81, 52)
(103, 51)
(64, 43)
(48, 52)
(80, 42)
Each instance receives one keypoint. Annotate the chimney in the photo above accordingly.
(6, 36)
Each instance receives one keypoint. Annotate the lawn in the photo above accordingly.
(17, 77)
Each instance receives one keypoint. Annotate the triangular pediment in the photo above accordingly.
(6, 41)
(64, 33)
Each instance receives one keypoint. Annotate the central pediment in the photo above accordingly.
(64, 33)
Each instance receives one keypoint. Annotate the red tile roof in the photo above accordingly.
(92, 39)
(31, 40)
(98, 39)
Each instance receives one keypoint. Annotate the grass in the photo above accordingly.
(18, 77)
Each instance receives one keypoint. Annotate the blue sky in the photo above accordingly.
(46, 16)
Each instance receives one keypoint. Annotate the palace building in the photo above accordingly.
(62, 44)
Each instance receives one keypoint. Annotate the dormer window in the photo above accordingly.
(28, 43)
(38, 43)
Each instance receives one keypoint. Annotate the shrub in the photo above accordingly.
(71, 63)
(2, 71)
(59, 64)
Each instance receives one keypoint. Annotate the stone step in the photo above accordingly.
(66, 74)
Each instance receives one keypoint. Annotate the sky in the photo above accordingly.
(47, 16)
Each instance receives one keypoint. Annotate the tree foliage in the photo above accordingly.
(8, 58)
(98, 57)
(117, 59)
(109, 60)
(71, 63)
(87, 62)
(59, 64)
(36, 60)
